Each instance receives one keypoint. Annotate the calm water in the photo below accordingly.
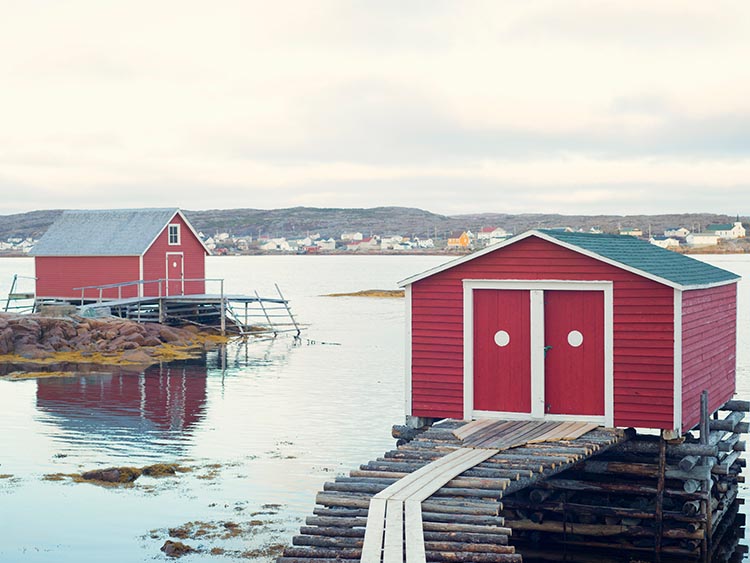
(279, 418)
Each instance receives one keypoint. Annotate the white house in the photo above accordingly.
(279, 244)
(369, 243)
(424, 243)
(486, 233)
(679, 232)
(702, 239)
(326, 244)
(390, 242)
(727, 230)
(665, 242)
(492, 235)
(351, 236)
(631, 231)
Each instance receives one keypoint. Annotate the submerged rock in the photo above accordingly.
(113, 475)
(176, 548)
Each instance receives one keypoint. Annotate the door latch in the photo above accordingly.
(546, 349)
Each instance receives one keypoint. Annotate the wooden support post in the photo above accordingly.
(660, 497)
(706, 485)
(223, 311)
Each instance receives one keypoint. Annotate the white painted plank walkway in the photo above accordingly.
(394, 531)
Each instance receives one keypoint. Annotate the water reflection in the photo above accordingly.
(152, 410)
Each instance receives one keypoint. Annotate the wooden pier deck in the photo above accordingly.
(244, 313)
(438, 497)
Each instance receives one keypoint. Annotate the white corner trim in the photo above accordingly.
(677, 422)
(408, 350)
(537, 288)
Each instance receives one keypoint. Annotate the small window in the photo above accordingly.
(174, 234)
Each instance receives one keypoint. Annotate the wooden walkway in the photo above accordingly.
(438, 497)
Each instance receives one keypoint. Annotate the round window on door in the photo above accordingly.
(575, 338)
(502, 338)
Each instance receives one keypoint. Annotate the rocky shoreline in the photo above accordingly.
(36, 339)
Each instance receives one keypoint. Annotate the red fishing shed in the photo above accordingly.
(85, 248)
(571, 326)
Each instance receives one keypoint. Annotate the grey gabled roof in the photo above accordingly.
(638, 256)
(110, 232)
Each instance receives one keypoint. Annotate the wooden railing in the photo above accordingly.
(162, 284)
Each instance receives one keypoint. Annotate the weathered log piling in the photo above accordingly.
(460, 521)
(616, 495)
(646, 497)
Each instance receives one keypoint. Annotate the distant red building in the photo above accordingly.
(570, 326)
(93, 248)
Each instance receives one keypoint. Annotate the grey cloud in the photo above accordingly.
(378, 123)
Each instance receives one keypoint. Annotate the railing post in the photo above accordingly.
(119, 292)
(83, 290)
(12, 289)
(288, 310)
(263, 308)
(101, 290)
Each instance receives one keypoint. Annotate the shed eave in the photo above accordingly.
(574, 248)
(82, 255)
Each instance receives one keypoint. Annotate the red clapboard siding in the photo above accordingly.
(155, 265)
(57, 276)
(643, 359)
(709, 336)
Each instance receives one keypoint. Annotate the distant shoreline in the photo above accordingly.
(430, 252)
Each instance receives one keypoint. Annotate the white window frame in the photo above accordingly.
(169, 234)
(537, 289)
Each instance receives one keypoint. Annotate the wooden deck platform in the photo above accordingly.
(243, 312)
(438, 497)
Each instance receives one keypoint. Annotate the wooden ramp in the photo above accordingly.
(437, 498)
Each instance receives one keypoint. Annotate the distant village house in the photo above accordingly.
(677, 232)
(702, 239)
(351, 236)
(459, 239)
(665, 242)
(631, 231)
(727, 231)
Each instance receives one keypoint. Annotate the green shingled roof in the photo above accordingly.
(648, 258)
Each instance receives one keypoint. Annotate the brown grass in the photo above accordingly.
(380, 293)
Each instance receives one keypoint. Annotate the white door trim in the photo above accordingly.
(182, 272)
(537, 288)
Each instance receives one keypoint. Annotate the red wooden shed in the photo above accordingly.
(571, 326)
(92, 248)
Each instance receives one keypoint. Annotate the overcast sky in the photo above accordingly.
(456, 107)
